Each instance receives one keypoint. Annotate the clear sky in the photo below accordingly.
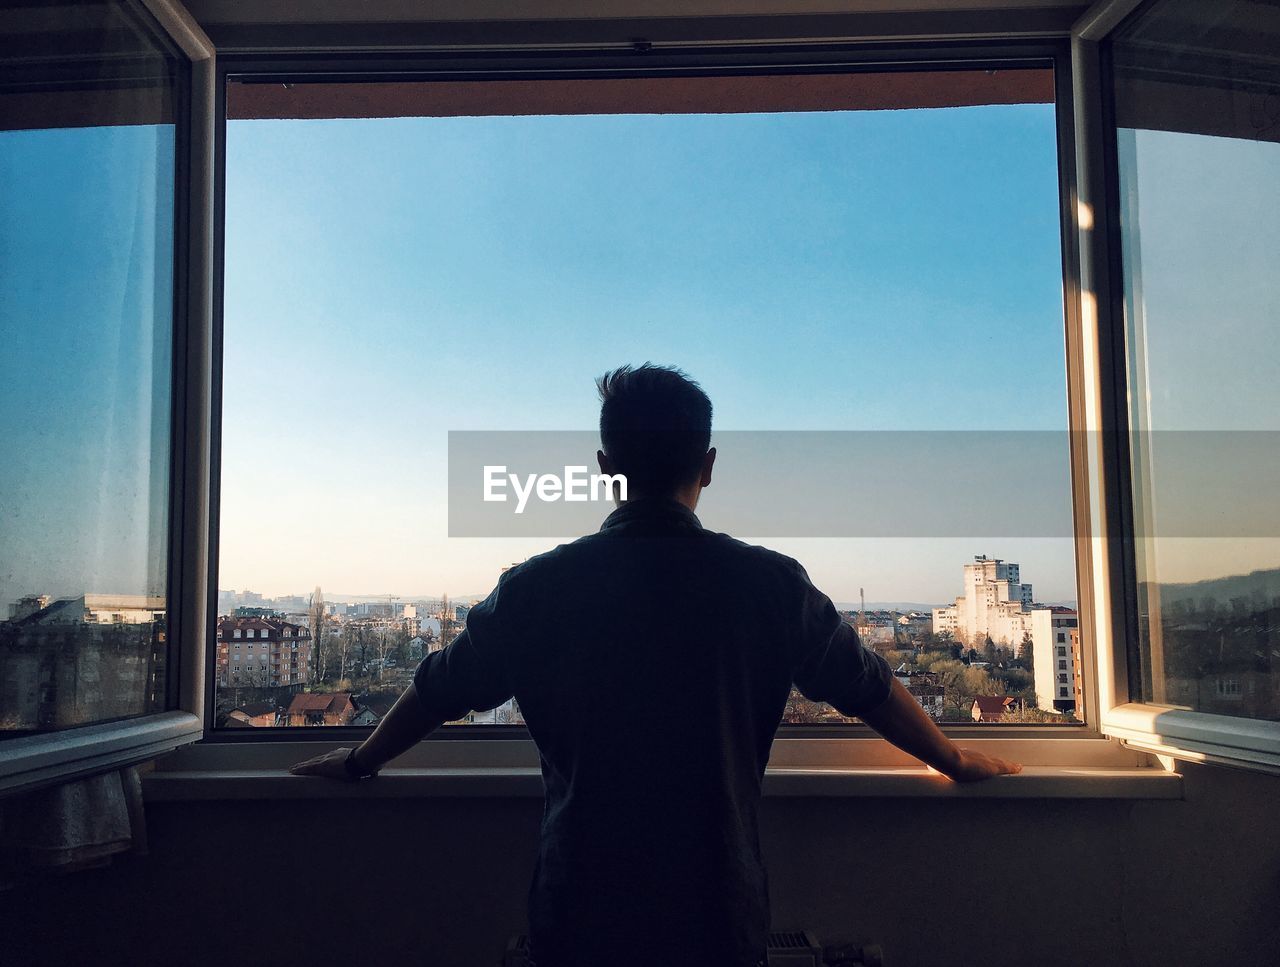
(390, 280)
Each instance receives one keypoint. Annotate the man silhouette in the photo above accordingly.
(652, 661)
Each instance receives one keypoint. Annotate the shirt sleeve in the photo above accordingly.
(467, 676)
(834, 666)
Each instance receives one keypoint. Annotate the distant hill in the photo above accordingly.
(888, 606)
(1265, 583)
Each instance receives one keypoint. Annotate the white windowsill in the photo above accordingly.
(1035, 782)
(1197, 736)
(1086, 766)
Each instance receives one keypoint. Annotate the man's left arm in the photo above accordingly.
(447, 685)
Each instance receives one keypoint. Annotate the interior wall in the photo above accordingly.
(442, 882)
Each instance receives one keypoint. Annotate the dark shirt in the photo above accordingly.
(652, 662)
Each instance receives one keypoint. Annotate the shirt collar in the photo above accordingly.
(655, 509)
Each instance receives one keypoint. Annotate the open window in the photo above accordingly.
(1187, 173)
(862, 263)
(104, 114)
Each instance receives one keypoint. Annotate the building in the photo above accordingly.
(913, 624)
(332, 708)
(1077, 674)
(365, 716)
(924, 688)
(262, 652)
(73, 661)
(996, 605)
(28, 605)
(992, 708)
(993, 605)
(875, 627)
(1055, 643)
(254, 715)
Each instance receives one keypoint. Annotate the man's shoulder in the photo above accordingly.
(765, 558)
(547, 562)
(583, 551)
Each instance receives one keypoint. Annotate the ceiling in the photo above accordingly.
(243, 25)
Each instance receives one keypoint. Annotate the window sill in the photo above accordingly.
(33, 761)
(1197, 736)
(896, 782)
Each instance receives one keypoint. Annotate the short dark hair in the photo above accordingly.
(655, 425)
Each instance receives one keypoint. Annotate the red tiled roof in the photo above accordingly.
(228, 623)
(994, 704)
(311, 702)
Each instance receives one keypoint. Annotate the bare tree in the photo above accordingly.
(317, 633)
(344, 654)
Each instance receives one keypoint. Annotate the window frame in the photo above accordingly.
(1166, 732)
(33, 761)
(756, 59)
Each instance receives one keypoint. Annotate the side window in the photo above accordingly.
(1198, 162)
(87, 169)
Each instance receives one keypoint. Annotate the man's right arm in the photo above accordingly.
(902, 721)
(836, 668)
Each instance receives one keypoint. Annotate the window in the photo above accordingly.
(237, 632)
(87, 232)
(1198, 159)
(766, 206)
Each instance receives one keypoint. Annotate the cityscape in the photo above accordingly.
(994, 655)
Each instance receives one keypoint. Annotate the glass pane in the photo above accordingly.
(864, 252)
(1197, 96)
(86, 317)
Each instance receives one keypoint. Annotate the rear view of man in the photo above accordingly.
(654, 704)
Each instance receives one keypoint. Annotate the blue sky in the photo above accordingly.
(388, 281)
(391, 280)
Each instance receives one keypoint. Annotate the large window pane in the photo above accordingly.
(863, 252)
(86, 319)
(1197, 90)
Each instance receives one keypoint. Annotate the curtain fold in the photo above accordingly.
(73, 826)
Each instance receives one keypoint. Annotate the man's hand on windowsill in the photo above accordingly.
(972, 766)
(330, 765)
(902, 721)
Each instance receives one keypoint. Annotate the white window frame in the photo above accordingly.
(34, 761)
(1171, 733)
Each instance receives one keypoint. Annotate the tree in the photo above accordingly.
(345, 641)
(316, 614)
(1026, 652)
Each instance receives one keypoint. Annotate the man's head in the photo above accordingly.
(655, 428)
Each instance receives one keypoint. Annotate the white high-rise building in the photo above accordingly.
(994, 605)
(997, 605)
